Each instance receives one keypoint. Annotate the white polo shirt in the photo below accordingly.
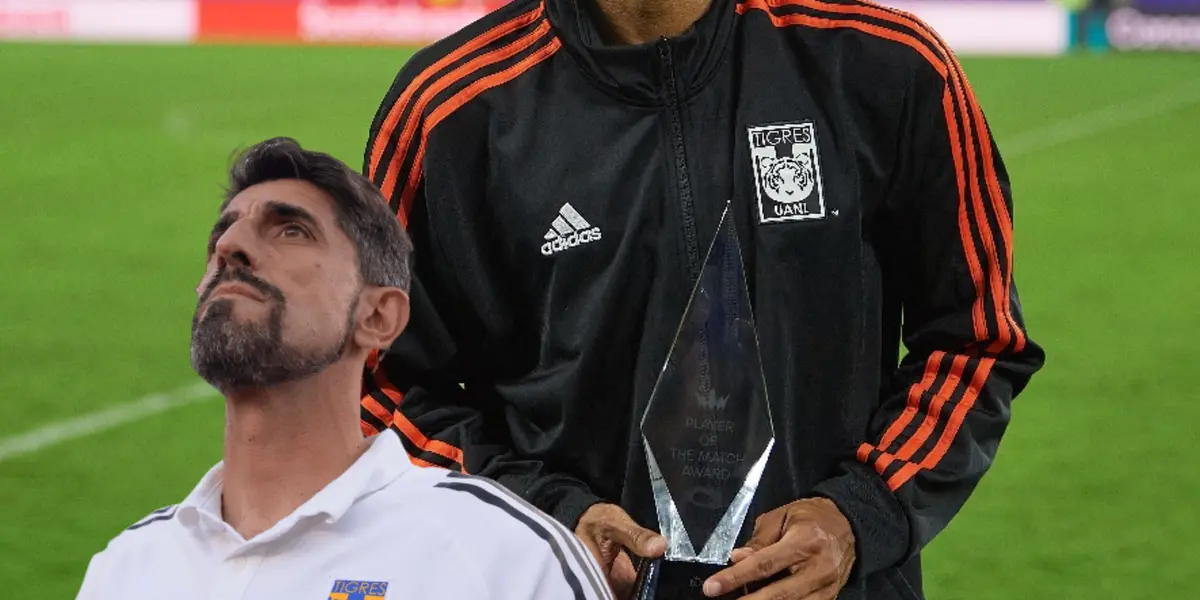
(383, 530)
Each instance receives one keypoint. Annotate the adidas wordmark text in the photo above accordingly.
(568, 230)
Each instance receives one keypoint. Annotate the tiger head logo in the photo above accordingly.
(787, 179)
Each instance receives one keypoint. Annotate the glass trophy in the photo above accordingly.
(707, 429)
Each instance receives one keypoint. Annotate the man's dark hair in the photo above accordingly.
(384, 249)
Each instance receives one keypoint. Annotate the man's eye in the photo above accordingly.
(293, 230)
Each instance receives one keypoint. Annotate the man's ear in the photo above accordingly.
(383, 315)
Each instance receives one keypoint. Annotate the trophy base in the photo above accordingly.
(661, 579)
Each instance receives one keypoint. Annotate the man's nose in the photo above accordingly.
(235, 248)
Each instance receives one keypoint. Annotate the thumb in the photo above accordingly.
(639, 540)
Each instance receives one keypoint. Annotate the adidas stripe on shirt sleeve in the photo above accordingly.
(555, 562)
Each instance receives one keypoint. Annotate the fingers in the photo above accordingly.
(740, 554)
(620, 528)
(811, 580)
(817, 571)
(768, 529)
(765, 534)
(641, 541)
(622, 576)
(761, 564)
(606, 530)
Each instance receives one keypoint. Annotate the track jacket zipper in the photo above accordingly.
(683, 182)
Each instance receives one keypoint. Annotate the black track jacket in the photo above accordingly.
(561, 193)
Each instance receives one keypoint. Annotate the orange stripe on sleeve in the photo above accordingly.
(933, 415)
(952, 426)
(915, 392)
(457, 101)
(375, 408)
(823, 23)
(864, 452)
(437, 447)
(422, 462)
(460, 73)
(1003, 220)
(410, 431)
(964, 221)
(379, 146)
(367, 429)
(971, 133)
(974, 113)
(981, 220)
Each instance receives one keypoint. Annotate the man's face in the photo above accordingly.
(278, 297)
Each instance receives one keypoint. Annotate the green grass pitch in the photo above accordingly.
(111, 162)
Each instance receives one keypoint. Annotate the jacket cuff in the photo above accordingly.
(880, 524)
(571, 503)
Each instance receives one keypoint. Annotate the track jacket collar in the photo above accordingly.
(636, 73)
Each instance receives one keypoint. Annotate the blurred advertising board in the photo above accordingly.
(408, 22)
(1167, 7)
(168, 21)
(995, 27)
(969, 26)
(1133, 25)
(1155, 25)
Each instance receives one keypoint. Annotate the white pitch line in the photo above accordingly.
(1098, 121)
(62, 431)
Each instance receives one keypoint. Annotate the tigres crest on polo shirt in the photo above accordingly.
(344, 589)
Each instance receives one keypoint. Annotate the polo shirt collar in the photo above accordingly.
(383, 462)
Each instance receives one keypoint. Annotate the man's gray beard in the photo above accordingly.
(234, 356)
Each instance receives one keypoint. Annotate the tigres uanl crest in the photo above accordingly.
(787, 172)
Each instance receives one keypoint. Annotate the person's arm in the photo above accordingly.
(943, 413)
(435, 384)
(969, 355)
